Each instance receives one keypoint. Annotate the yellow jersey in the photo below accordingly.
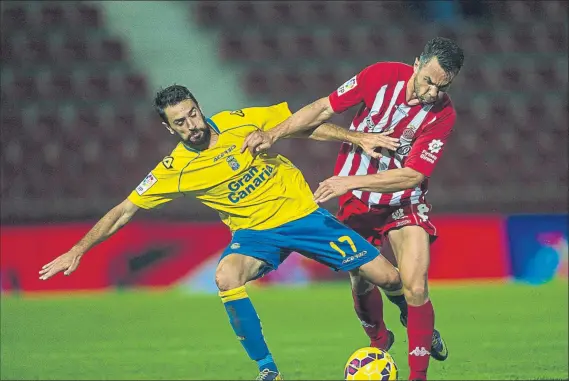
(249, 192)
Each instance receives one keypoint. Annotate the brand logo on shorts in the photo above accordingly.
(398, 214)
(354, 257)
(235, 246)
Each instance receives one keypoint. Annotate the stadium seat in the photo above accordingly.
(256, 83)
(14, 17)
(87, 15)
(56, 84)
(74, 48)
(23, 87)
(52, 15)
(35, 49)
(109, 50)
(206, 12)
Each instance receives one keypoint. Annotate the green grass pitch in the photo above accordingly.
(494, 331)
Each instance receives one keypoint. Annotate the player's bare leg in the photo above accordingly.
(368, 303)
(231, 275)
(411, 247)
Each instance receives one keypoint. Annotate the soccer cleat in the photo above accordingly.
(266, 375)
(390, 341)
(439, 350)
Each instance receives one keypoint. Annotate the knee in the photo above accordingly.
(360, 286)
(416, 294)
(226, 280)
(392, 280)
(386, 277)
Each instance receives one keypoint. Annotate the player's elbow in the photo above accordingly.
(415, 178)
(126, 211)
(324, 108)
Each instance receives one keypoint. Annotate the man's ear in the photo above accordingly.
(416, 65)
(168, 128)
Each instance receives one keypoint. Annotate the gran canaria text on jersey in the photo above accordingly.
(249, 182)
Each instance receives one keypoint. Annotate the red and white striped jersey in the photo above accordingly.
(422, 130)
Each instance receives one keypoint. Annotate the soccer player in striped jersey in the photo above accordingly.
(382, 194)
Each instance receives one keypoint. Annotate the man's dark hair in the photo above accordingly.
(170, 96)
(448, 53)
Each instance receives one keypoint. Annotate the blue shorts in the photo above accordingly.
(319, 236)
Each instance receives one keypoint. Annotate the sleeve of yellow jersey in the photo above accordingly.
(159, 187)
(268, 117)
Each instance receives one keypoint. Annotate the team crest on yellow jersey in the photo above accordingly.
(233, 163)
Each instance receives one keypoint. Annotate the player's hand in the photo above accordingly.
(370, 141)
(257, 141)
(335, 186)
(67, 262)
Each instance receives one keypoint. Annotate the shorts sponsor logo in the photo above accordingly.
(403, 222)
(235, 246)
(354, 257)
(349, 85)
(146, 184)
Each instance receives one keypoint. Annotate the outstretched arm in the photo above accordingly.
(111, 222)
(307, 118)
(393, 180)
(368, 141)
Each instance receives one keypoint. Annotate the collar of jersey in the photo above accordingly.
(212, 125)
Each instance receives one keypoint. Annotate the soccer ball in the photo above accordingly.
(370, 364)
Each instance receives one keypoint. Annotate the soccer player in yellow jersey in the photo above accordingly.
(263, 199)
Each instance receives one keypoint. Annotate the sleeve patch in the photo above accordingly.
(146, 184)
(349, 85)
(435, 145)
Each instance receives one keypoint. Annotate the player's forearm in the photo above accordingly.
(111, 222)
(393, 180)
(329, 132)
(307, 118)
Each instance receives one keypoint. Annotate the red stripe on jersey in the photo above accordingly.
(356, 162)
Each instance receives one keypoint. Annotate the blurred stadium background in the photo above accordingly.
(78, 133)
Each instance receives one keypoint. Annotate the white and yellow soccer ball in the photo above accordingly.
(370, 364)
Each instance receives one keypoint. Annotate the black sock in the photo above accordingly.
(397, 298)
